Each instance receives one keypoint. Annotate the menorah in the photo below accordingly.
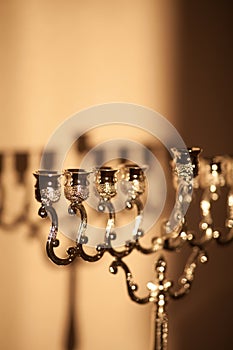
(191, 173)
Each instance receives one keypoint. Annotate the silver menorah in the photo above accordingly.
(191, 174)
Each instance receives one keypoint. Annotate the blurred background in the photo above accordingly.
(58, 57)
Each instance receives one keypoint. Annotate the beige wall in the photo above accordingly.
(58, 57)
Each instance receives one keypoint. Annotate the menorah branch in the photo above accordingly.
(131, 286)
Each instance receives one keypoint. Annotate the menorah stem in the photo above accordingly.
(160, 324)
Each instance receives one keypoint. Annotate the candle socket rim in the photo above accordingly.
(106, 169)
(106, 174)
(46, 173)
(135, 172)
(76, 171)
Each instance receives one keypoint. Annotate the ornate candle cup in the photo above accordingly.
(185, 168)
(194, 153)
(47, 187)
(133, 180)
(106, 182)
(211, 175)
(76, 187)
(185, 162)
(227, 169)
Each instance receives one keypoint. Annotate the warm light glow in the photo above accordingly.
(203, 259)
(209, 232)
(204, 225)
(214, 167)
(151, 286)
(205, 206)
(213, 188)
(230, 200)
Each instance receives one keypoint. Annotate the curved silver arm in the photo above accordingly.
(79, 210)
(187, 277)
(156, 242)
(131, 286)
(109, 234)
(53, 242)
